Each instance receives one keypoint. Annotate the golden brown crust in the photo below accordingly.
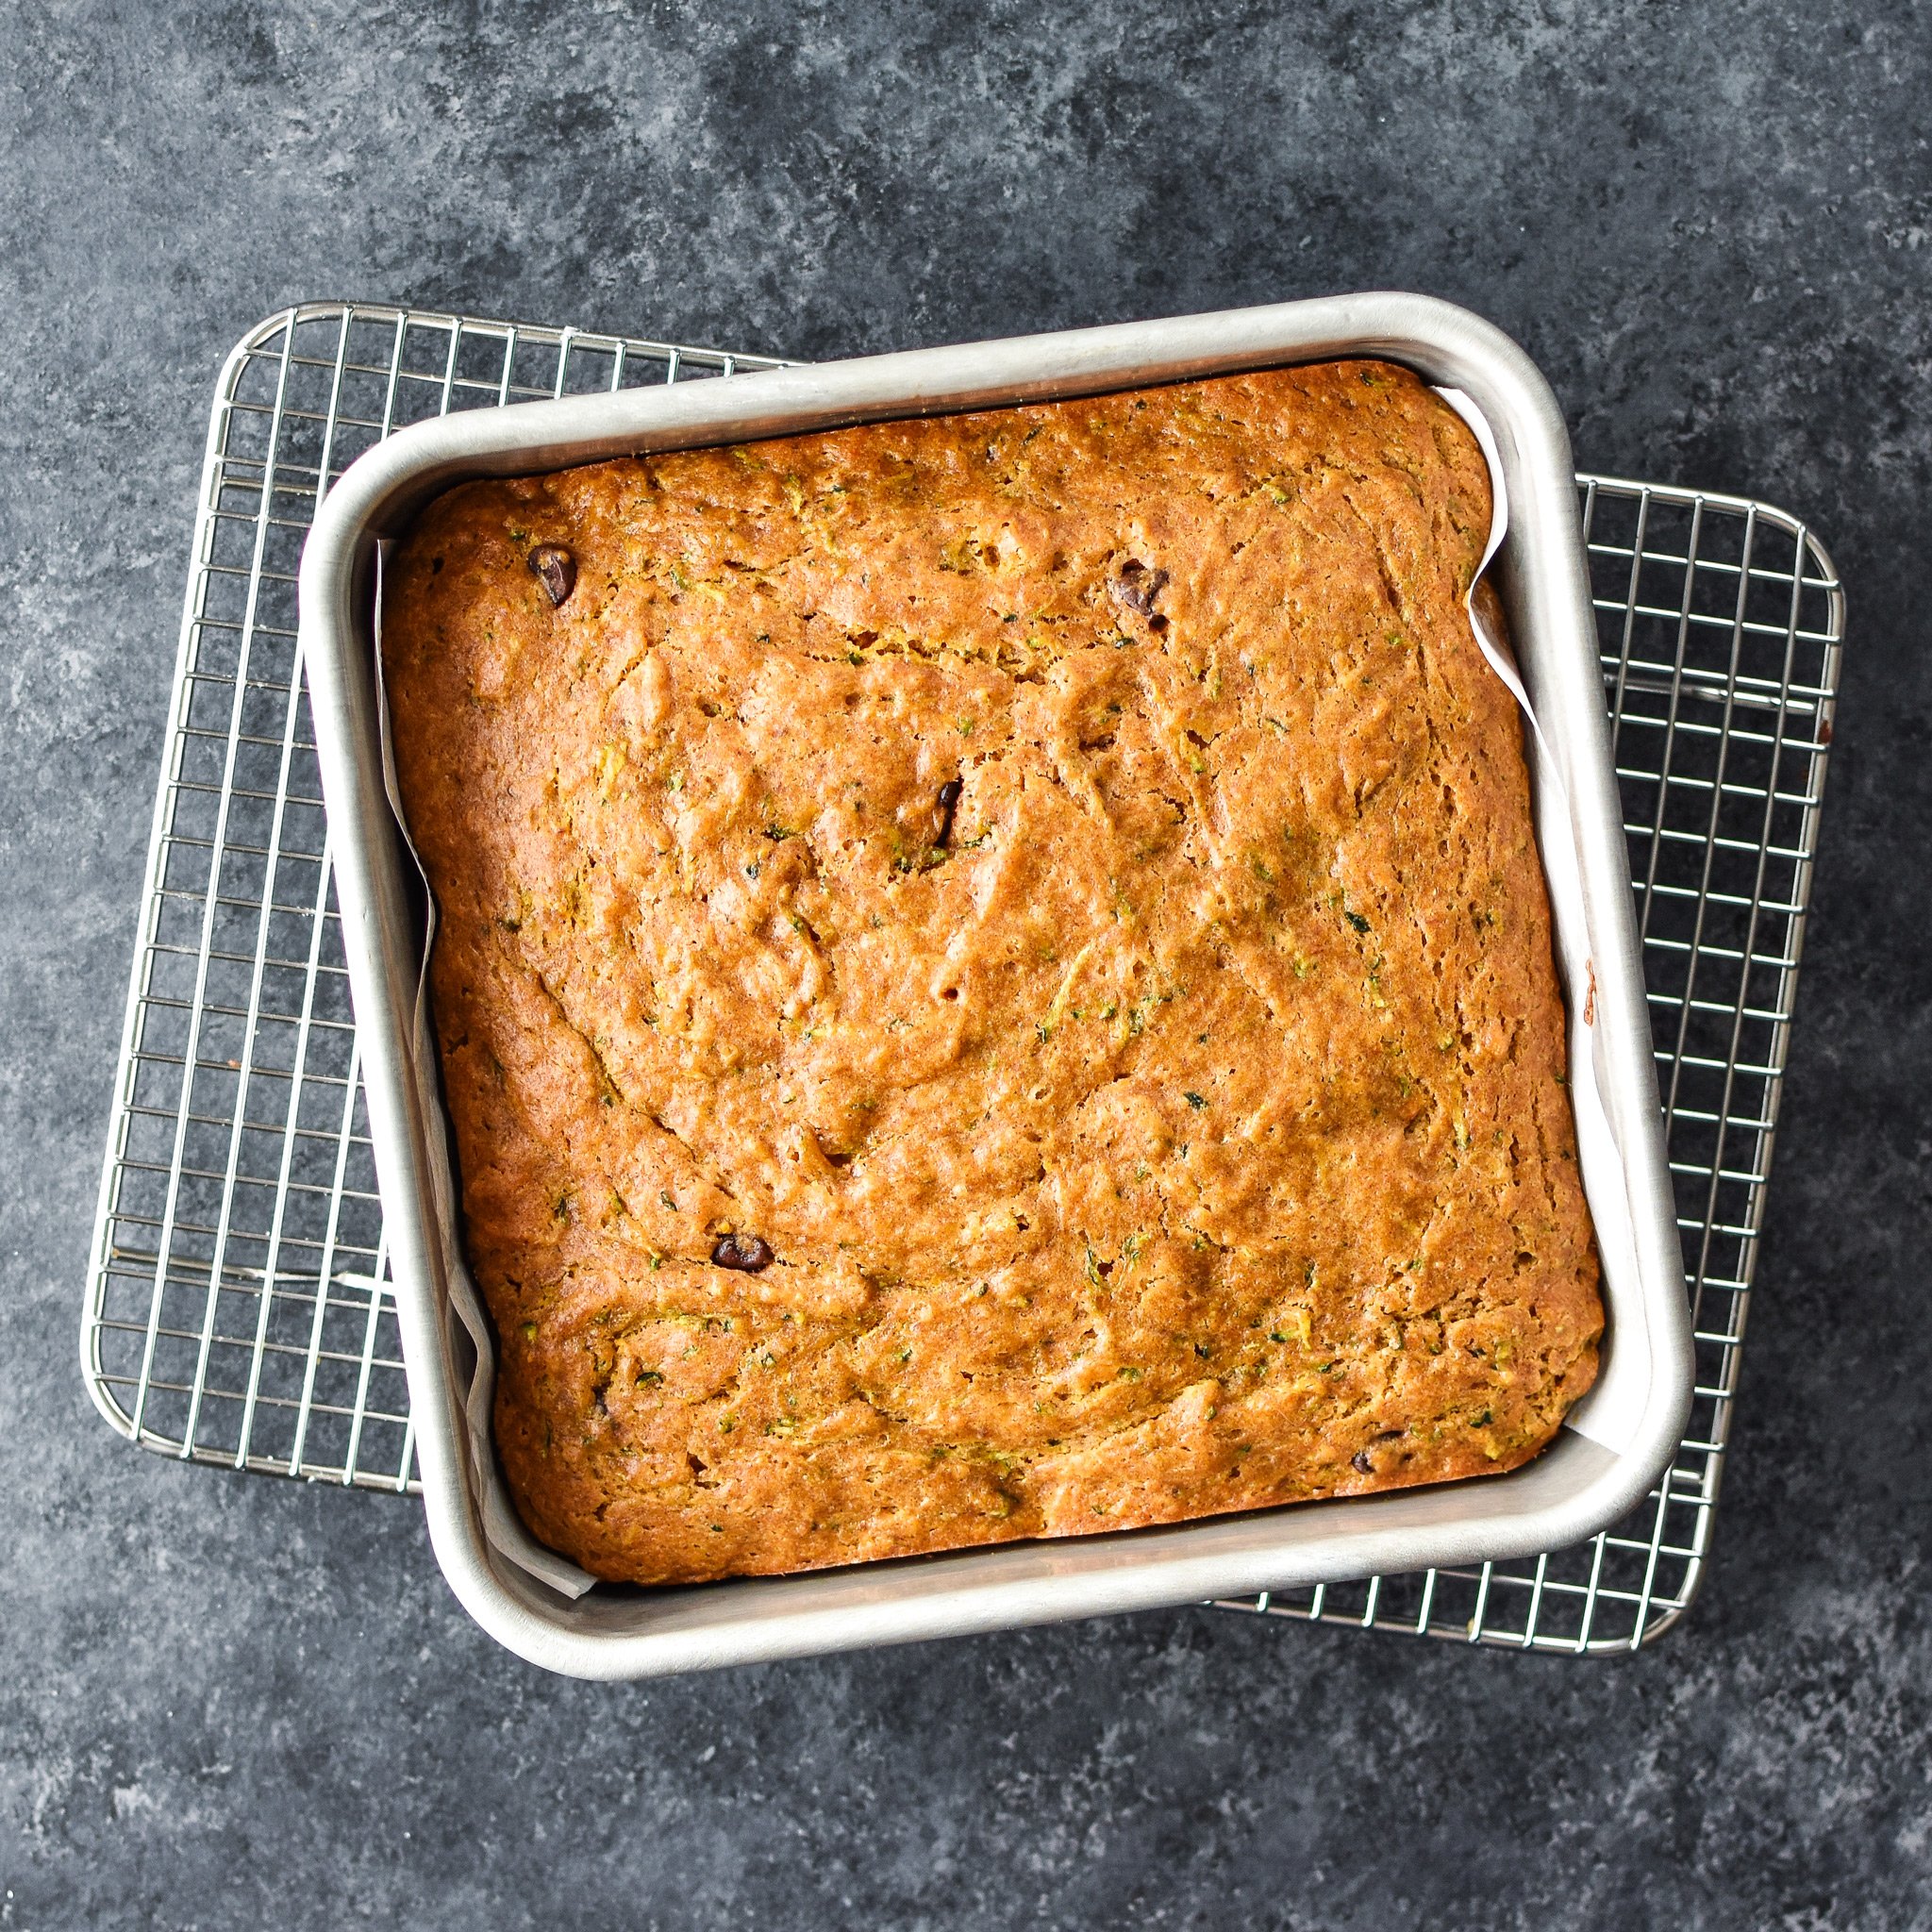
(1172, 1125)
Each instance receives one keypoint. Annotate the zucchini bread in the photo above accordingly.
(994, 979)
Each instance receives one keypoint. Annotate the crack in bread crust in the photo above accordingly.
(1180, 1129)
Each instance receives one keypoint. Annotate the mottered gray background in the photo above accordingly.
(226, 1702)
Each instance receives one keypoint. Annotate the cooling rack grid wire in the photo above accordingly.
(239, 1309)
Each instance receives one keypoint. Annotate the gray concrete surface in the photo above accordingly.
(228, 1702)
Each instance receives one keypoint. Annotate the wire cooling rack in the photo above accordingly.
(239, 1308)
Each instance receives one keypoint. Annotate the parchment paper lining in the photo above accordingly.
(1598, 1148)
(502, 1526)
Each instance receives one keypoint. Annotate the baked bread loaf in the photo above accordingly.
(993, 978)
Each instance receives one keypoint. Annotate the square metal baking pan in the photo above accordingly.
(1614, 1444)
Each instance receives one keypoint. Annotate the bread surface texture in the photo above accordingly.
(992, 979)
